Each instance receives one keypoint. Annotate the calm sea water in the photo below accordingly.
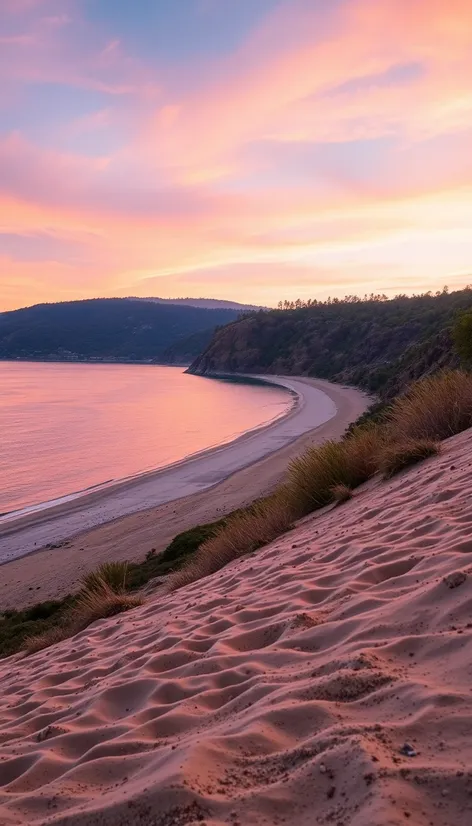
(67, 427)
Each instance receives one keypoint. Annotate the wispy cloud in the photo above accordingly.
(331, 143)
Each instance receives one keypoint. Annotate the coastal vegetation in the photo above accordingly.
(109, 330)
(397, 339)
(47, 620)
(377, 344)
(409, 430)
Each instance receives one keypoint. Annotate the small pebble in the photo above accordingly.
(408, 750)
(322, 768)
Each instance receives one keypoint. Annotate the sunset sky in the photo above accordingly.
(248, 149)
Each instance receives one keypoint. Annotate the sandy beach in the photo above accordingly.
(324, 679)
(121, 523)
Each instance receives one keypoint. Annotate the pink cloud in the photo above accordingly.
(209, 190)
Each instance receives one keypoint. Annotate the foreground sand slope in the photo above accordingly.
(279, 691)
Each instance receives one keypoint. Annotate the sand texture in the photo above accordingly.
(51, 572)
(280, 690)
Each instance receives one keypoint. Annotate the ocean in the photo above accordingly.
(66, 428)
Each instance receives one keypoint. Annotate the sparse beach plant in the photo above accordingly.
(243, 533)
(37, 642)
(113, 574)
(350, 462)
(401, 455)
(434, 408)
(100, 602)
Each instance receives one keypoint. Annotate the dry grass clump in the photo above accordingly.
(98, 600)
(99, 603)
(399, 456)
(434, 408)
(341, 493)
(36, 642)
(243, 533)
(113, 574)
(350, 462)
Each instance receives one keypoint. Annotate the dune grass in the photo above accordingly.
(434, 408)
(408, 432)
(244, 532)
(313, 476)
(37, 642)
(400, 455)
(100, 602)
(113, 574)
(103, 595)
(402, 435)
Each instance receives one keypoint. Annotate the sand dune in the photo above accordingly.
(281, 690)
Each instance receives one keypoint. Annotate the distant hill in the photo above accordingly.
(377, 344)
(108, 329)
(206, 303)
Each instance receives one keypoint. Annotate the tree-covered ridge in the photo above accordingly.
(121, 329)
(355, 299)
(378, 344)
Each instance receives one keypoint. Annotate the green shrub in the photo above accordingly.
(462, 336)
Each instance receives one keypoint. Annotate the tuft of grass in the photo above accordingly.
(36, 642)
(434, 408)
(113, 574)
(341, 493)
(314, 475)
(180, 550)
(100, 602)
(244, 532)
(399, 456)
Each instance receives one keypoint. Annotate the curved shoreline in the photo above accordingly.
(21, 532)
(31, 514)
(50, 572)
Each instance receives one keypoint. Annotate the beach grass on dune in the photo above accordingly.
(434, 408)
(400, 455)
(243, 532)
(100, 601)
(313, 475)
(407, 433)
(114, 574)
(44, 623)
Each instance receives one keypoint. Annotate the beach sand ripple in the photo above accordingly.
(288, 688)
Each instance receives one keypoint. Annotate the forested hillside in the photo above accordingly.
(120, 329)
(377, 344)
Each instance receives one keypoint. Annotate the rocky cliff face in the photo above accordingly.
(380, 346)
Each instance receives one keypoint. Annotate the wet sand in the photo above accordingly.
(46, 573)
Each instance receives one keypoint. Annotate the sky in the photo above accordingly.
(254, 150)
